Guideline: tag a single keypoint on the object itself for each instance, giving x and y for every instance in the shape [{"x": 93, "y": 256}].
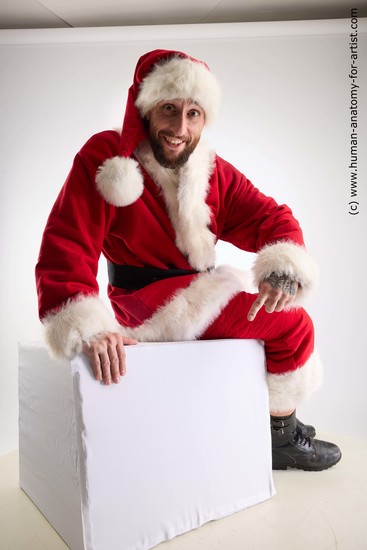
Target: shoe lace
[{"x": 301, "y": 439}]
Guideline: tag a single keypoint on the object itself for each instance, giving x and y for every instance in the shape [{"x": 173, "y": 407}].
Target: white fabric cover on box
[{"x": 183, "y": 439}]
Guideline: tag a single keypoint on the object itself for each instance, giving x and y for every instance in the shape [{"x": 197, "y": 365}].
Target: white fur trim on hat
[
  {"x": 180, "y": 78},
  {"x": 188, "y": 314},
  {"x": 287, "y": 391},
  {"x": 287, "y": 258},
  {"x": 120, "y": 181},
  {"x": 76, "y": 322}
]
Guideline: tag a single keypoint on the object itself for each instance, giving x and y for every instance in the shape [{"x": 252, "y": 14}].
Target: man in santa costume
[{"x": 154, "y": 200}]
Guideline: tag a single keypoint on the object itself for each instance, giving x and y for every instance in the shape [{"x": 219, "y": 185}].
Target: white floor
[{"x": 318, "y": 511}]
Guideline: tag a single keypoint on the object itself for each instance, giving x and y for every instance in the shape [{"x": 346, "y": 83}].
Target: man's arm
[
  {"x": 74, "y": 317},
  {"x": 284, "y": 272}
]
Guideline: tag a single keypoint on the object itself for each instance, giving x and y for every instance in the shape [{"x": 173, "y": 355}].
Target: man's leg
[{"x": 294, "y": 372}]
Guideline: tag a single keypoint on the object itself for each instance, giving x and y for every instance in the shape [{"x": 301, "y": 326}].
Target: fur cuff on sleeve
[
  {"x": 290, "y": 259},
  {"x": 77, "y": 321}
]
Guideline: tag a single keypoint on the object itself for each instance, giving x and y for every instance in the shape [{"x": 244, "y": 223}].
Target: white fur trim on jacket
[
  {"x": 287, "y": 391},
  {"x": 77, "y": 321},
  {"x": 185, "y": 192},
  {"x": 187, "y": 315},
  {"x": 287, "y": 258},
  {"x": 120, "y": 181},
  {"x": 180, "y": 78}
]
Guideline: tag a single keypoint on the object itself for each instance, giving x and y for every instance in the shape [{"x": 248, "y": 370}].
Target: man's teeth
[{"x": 174, "y": 141}]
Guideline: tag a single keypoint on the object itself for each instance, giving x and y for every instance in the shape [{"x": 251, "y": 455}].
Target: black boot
[
  {"x": 306, "y": 429},
  {"x": 292, "y": 449}
]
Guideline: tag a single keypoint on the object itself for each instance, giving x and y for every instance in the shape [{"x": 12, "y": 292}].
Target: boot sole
[{"x": 306, "y": 467}]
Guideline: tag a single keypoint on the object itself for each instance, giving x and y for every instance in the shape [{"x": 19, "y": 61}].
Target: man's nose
[{"x": 180, "y": 124}]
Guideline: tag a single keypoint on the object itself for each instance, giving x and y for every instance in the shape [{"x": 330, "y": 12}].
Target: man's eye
[
  {"x": 194, "y": 113},
  {"x": 168, "y": 107}
]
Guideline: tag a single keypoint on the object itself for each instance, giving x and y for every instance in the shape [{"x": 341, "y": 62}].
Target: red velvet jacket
[{"x": 147, "y": 223}]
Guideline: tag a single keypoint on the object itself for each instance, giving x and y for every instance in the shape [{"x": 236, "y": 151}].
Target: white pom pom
[{"x": 120, "y": 181}]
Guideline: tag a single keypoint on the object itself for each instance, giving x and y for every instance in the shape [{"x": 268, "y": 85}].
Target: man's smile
[{"x": 173, "y": 144}]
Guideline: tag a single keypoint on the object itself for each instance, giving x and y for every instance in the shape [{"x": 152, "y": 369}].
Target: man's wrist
[{"x": 283, "y": 282}]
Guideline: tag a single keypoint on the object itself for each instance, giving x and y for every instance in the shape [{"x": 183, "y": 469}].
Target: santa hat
[{"x": 159, "y": 75}]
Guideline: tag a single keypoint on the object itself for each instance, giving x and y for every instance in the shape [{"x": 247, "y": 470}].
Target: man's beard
[{"x": 173, "y": 163}]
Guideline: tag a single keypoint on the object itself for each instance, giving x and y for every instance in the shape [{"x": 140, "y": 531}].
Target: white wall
[{"x": 284, "y": 122}]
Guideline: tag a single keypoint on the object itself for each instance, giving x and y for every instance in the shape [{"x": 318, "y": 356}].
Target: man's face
[{"x": 175, "y": 128}]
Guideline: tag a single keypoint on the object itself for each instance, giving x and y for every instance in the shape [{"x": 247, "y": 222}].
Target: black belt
[{"x": 131, "y": 277}]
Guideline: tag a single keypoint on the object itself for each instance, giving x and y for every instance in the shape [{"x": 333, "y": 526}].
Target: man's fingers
[
  {"x": 256, "y": 306},
  {"x": 272, "y": 301},
  {"x": 106, "y": 367},
  {"x": 122, "y": 358},
  {"x": 282, "y": 302},
  {"x": 128, "y": 341},
  {"x": 96, "y": 365},
  {"x": 107, "y": 354},
  {"x": 114, "y": 363}
]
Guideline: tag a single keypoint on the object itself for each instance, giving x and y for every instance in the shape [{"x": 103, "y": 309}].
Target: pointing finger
[{"x": 256, "y": 306}]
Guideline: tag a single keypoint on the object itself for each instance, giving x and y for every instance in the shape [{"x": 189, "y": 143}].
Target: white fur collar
[{"x": 185, "y": 192}]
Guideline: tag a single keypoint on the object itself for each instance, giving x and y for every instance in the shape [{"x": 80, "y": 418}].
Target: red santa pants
[{"x": 288, "y": 335}]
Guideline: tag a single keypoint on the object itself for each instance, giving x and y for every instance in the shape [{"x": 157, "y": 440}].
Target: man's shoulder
[
  {"x": 104, "y": 139},
  {"x": 100, "y": 146},
  {"x": 224, "y": 167}
]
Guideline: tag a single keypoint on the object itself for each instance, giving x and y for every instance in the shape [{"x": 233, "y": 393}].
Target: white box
[{"x": 182, "y": 440}]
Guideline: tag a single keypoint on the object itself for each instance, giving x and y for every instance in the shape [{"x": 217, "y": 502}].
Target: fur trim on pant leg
[
  {"x": 187, "y": 315},
  {"x": 291, "y": 259},
  {"x": 76, "y": 322},
  {"x": 287, "y": 391}
]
